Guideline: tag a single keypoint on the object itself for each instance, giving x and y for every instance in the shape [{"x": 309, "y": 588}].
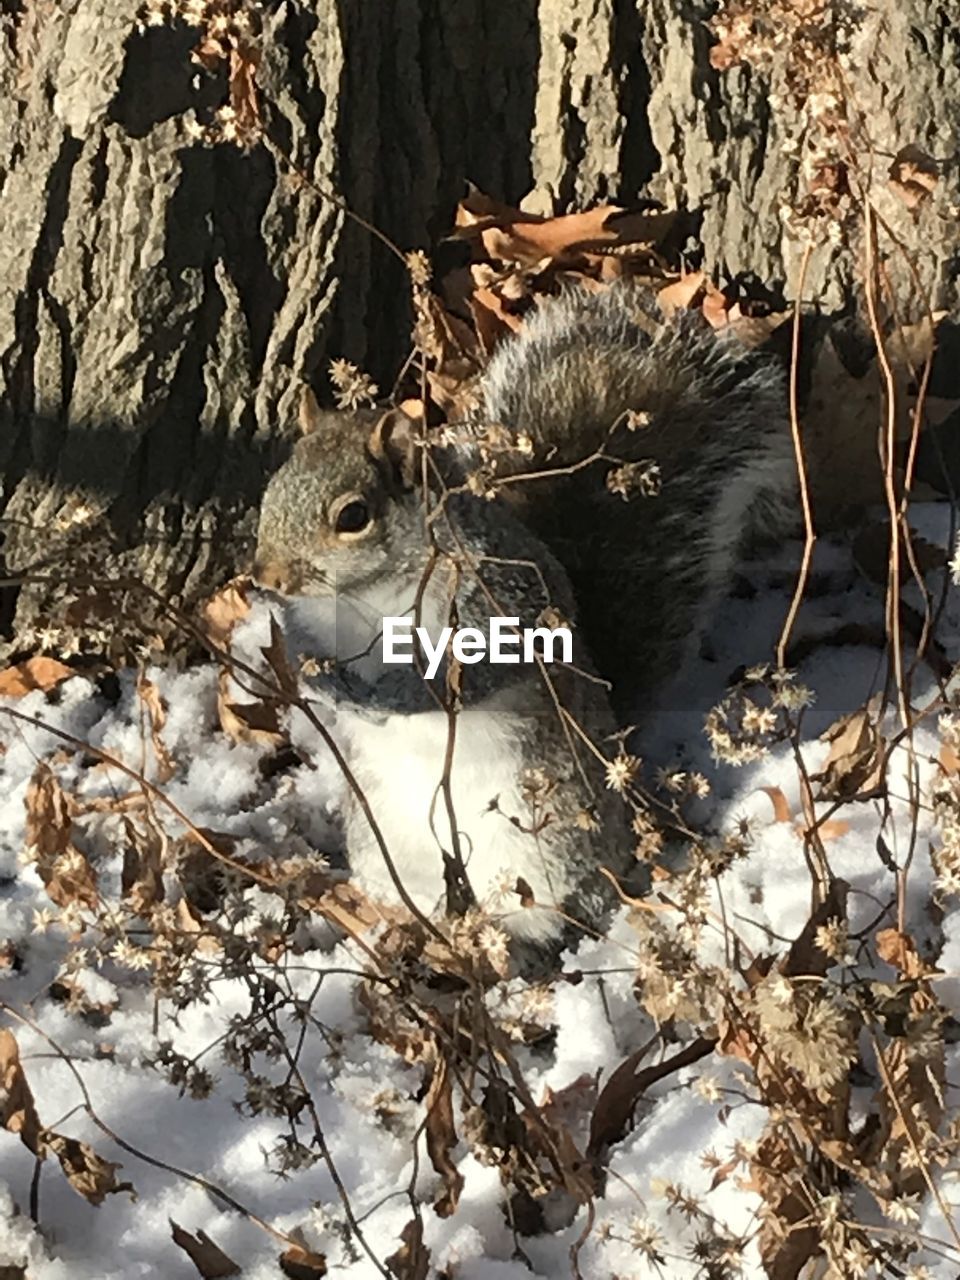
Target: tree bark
[{"x": 162, "y": 300}]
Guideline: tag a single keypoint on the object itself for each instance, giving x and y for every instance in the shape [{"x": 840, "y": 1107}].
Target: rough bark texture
[{"x": 161, "y": 300}]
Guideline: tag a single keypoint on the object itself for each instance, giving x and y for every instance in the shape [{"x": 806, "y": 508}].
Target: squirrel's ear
[
  {"x": 394, "y": 441},
  {"x": 310, "y": 413}
]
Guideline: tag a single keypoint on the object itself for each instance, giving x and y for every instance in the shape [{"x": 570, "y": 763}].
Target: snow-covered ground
[{"x": 366, "y": 1096}]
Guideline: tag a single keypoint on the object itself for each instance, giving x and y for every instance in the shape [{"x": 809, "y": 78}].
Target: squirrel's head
[{"x": 344, "y": 508}]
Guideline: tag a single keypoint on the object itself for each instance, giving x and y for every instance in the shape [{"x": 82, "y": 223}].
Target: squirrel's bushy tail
[{"x": 647, "y": 571}]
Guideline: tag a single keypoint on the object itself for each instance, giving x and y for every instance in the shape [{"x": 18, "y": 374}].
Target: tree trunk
[{"x": 163, "y": 299}]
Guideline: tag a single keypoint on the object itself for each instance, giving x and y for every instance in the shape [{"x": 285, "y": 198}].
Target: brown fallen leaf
[
  {"x": 88, "y": 1173},
  {"x": 156, "y": 710},
  {"x": 141, "y": 880},
  {"x": 257, "y": 722},
  {"x": 949, "y": 759},
  {"x": 491, "y": 318},
  {"x": 626, "y": 1085},
  {"x": 191, "y": 922},
  {"x": 573, "y": 234},
  {"x": 208, "y": 1258},
  {"x": 346, "y": 905},
  {"x": 66, "y": 873},
  {"x": 441, "y": 1133},
  {"x": 224, "y": 610},
  {"x": 566, "y": 1107},
  {"x": 830, "y": 829},
  {"x": 754, "y": 331},
  {"x": 682, "y": 294},
  {"x": 910, "y": 346},
  {"x": 18, "y": 1113},
  {"x": 300, "y": 1263},
  {"x": 68, "y": 991},
  {"x": 781, "y": 806},
  {"x": 33, "y": 673},
  {"x": 49, "y": 824},
  {"x": 244, "y": 60},
  {"x": 715, "y": 307},
  {"x": 478, "y": 210},
  {"x": 524, "y": 893},
  {"x": 71, "y": 880},
  {"x": 855, "y": 764},
  {"x": 275, "y": 656},
  {"x": 900, "y": 950},
  {"x": 412, "y": 1260}
]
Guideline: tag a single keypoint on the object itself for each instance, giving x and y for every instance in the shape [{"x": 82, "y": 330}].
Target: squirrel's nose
[{"x": 272, "y": 574}]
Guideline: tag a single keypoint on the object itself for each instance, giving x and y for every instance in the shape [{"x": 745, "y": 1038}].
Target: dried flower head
[
  {"x": 352, "y": 386},
  {"x": 633, "y": 479},
  {"x": 621, "y": 770}
]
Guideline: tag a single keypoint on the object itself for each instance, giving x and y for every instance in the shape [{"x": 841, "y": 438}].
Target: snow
[{"x": 365, "y": 1095}]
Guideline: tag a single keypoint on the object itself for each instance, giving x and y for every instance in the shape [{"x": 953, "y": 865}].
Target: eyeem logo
[{"x": 507, "y": 643}]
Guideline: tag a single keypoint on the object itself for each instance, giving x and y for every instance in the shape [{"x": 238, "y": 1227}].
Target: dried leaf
[
  {"x": 478, "y": 210},
  {"x": 72, "y": 880},
  {"x": 785, "y": 1244},
  {"x": 34, "y": 673},
  {"x": 412, "y": 1260},
  {"x": 275, "y": 656},
  {"x": 757, "y": 969},
  {"x": 781, "y": 806},
  {"x": 244, "y": 101},
  {"x": 141, "y": 880},
  {"x": 442, "y": 1139},
  {"x": 66, "y": 873},
  {"x": 190, "y": 921},
  {"x": 89, "y": 1174},
  {"x": 347, "y": 906},
  {"x": 524, "y": 893},
  {"x": 528, "y": 244},
  {"x": 491, "y": 319},
  {"x": 682, "y": 294},
  {"x": 619, "y": 1096},
  {"x": 208, "y": 1258},
  {"x": 96, "y": 1013},
  {"x": 17, "y": 1111},
  {"x": 300, "y": 1263},
  {"x": 715, "y": 307},
  {"x": 899, "y": 949},
  {"x": 49, "y": 823},
  {"x": 566, "y": 1107},
  {"x": 831, "y": 829},
  {"x": 257, "y": 722},
  {"x": 224, "y": 610},
  {"x": 754, "y": 331},
  {"x": 949, "y": 759},
  {"x": 155, "y": 707},
  {"x": 855, "y": 763}
]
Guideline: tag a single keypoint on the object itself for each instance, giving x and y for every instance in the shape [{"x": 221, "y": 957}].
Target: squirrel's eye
[{"x": 352, "y": 517}]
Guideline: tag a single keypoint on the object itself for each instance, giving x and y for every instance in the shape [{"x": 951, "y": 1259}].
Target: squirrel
[{"x": 595, "y": 397}]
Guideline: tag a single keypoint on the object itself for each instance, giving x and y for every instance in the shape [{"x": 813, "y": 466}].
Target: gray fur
[
  {"x": 647, "y": 572},
  {"x": 640, "y": 576}
]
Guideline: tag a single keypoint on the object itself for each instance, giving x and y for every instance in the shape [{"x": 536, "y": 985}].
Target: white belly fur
[{"x": 399, "y": 765}]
